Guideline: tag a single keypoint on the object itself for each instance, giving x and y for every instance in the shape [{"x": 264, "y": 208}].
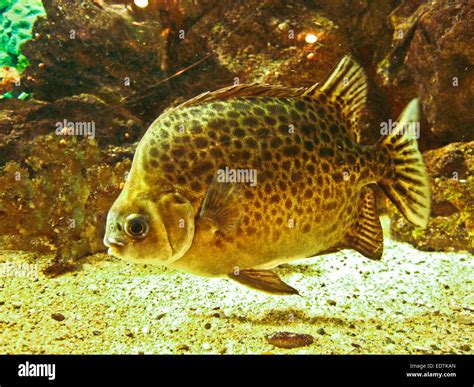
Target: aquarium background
[{"x": 115, "y": 66}]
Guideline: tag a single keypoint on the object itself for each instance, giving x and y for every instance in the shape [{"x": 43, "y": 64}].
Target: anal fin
[
  {"x": 263, "y": 280},
  {"x": 366, "y": 235}
]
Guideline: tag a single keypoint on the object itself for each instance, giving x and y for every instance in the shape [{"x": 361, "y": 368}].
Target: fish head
[{"x": 150, "y": 227}]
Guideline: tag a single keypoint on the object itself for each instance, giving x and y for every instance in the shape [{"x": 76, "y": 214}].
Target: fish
[{"x": 238, "y": 181}]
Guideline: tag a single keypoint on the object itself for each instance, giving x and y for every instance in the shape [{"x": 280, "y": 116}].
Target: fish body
[{"x": 235, "y": 182}]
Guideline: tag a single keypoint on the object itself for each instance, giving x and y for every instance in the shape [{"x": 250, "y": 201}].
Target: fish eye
[{"x": 136, "y": 226}]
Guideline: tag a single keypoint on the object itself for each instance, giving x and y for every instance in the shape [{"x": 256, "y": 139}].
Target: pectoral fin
[
  {"x": 264, "y": 280},
  {"x": 222, "y": 205}
]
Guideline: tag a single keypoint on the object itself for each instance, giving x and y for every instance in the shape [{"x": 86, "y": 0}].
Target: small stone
[
  {"x": 331, "y": 302},
  {"x": 182, "y": 347},
  {"x": 207, "y": 326},
  {"x": 283, "y": 26},
  {"x": 93, "y": 288},
  {"x": 351, "y": 326},
  {"x": 311, "y": 56},
  {"x": 355, "y": 345},
  {"x": 206, "y": 346},
  {"x": 378, "y": 327},
  {"x": 129, "y": 333},
  {"x": 465, "y": 347},
  {"x": 58, "y": 316},
  {"x": 289, "y": 340},
  {"x": 16, "y": 305},
  {"x": 223, "y": 350},
  {"x": 321, "y": 331},
  {"x": 96, "y": 333}
]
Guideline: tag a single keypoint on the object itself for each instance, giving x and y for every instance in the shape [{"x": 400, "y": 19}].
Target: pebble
[
  {"x": 58, "y": 316},
  {"x": 465, "y": 347},
  {"x": 16, "y": 305},
  {"x": 289, "y": 340},
  {"x": 207, "y": 326},
  {"x": 321, "y": 331},
  {"x": 331, "y": 302},
  {"x": 182, "y": 347},
  {"x": 93, "y": 288},
  {"x": 206, "y": 346}
]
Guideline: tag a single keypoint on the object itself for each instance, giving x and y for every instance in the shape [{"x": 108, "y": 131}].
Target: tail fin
[{"x": 408, "y": 187}]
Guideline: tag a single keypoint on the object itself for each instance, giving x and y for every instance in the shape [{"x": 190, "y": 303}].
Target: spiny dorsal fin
[
  {"x": 264, "y": 280},
  {"x": 346, "y": 84},
  {"x": 243, "y": 90},
  {"x": 221, "y": 205},
  {"x": 366, "y": 235}
]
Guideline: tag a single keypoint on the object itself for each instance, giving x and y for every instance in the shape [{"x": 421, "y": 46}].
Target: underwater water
[{"x": 236, "y": 177}]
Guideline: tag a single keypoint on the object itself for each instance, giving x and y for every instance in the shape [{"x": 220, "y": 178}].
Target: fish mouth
[{"x": 114, "y": 245}]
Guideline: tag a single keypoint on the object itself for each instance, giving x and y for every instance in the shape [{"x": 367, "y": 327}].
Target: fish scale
[{"x": 313, "y": 191}]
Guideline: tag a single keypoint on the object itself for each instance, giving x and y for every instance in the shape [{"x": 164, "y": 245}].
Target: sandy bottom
[{"x": 410, "y": 302}]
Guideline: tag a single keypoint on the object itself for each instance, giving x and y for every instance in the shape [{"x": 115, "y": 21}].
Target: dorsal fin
[
  {"x": 243, "y": 90},
  {"x": 366, "y": 235},
  {"x": 347, "y": 84}
]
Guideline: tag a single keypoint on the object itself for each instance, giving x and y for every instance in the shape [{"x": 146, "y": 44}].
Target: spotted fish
[{"x": 240, "y": 180}]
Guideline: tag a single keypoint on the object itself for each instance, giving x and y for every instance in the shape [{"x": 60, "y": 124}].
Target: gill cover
[{"x": 177, "y": 217}]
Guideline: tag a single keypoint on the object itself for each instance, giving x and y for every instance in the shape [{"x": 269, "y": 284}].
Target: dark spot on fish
[
  {"x": 269, "y": 120},
  {"x": 276, "y": 109},
  {"x": 282, "y": 185},
  {"x": 308, "y": 194},
  {"x": 181, "y": 180},
  {"x": 275, "y": 142},
  {"x": 251, "y": 230},
  {"x": 238, "y": 144},
  {"x": 234, "y": 123},
  {"x": 308, "y": 145},
  {"x": 310, "y": 168},
  {"x": 200, "y": 142},
  {"x": 263, "y": 132},
  {"x": 337, "y": 177},
  {"x": 250, "y": 121},
  {"x": 320, "y": 180},
  {"x": 154, "y": 152},
  {"x": 307, "y": 129},
  {"x": 217, "y": 106},
  {"x": 233, "y": 114},
  {"x": 350, "y": 159},
  {"x": 217, "y": 153},
  {"x": 267, "y": 156},
  {"x": 258, "y": 111},
  {"x": 249, "y": 194},
  {"x": 275, "y": 198},
  {"x": 154, "y": 163},
  {"x": 306, "y": 228},
  {"x": 258, "y": 216},
  {"x": 334, "y": 129},
  {"x": 295, "y": 116},
  {"x": 216, "y": 124},
  {"x": 239, "y": 132},
  {"x": 290, "y": 150},
  {"x": 202, "y": 168},
  {"x": 251, "y": 143},
  {"x": 168, "y": 167},
  {"x": 164, "y": 157},
  {"x": 225, "y": 139},
  {"x": 326, "y": 193},
  {"x": 268, "y": 188},
  {"x": 300, "y": 105},
  {"x": 326, "y": 152},
  {"x": 288, "y": 203},
  {"x": 286, "y": 165},
  {"x": 325, "y": 137}
]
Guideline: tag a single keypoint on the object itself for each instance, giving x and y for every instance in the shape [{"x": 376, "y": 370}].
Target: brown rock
[{"x": 289, "y": 340}]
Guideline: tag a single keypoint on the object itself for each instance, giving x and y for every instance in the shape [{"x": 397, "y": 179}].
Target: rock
[
  {"x": 321, "y": 331},
  {"x": 451, "y": 224},
  {"x": 289, "y": 340},
  {"x": 182, "y": 347},
  {"x": 433, "y": 50},
  {"x": 58, "y": 316},
  {"x": 207, "y": 326},
  {"x": 17, "y": 305},
  {"x": 465, "y": 347},
  {"x": 331, "y": 302},
  {"x": 206, "y": 346}
]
